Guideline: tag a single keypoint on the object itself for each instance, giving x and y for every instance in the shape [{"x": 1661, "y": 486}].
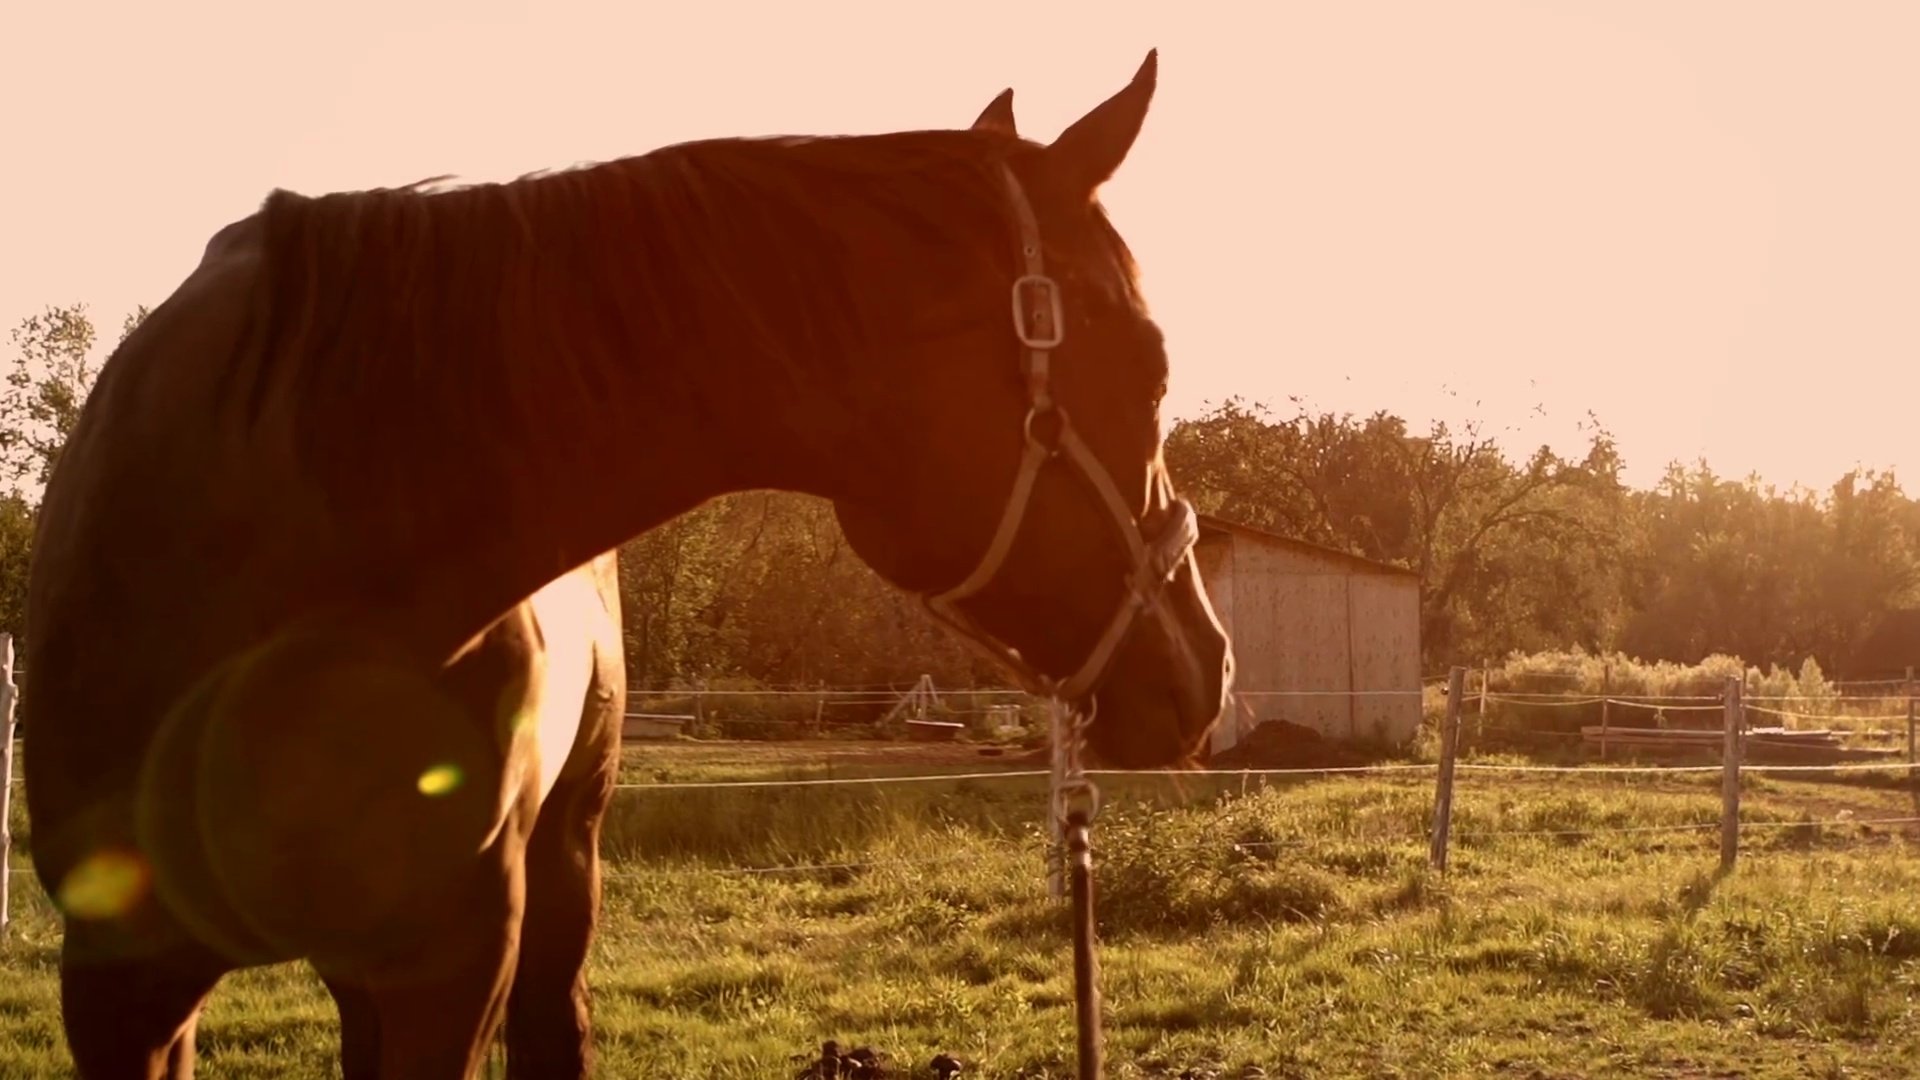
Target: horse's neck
[
  {"x": 679, "y": 419},
  {"x": 700, "y": 415}
]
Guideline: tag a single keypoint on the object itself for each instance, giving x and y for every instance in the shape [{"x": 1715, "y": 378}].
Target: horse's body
[
  {"x": 324, "y": 619},
  {"x": 158, "y": 577}
]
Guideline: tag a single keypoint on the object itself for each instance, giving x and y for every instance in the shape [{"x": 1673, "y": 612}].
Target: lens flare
[
  {"x": 106, "y": 885},
  {"x": 440, "y": 780}
]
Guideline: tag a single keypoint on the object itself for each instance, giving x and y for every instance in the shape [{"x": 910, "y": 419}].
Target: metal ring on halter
[{"x": 1049, "y": 409}]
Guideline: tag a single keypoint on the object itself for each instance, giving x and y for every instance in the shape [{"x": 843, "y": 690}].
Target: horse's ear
[
  {"x": 1088, "y": 153},
  {"x": 998, "y": 115}
]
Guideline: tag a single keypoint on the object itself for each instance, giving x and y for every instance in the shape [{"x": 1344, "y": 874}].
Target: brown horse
[{"x": 325, "y": 633}]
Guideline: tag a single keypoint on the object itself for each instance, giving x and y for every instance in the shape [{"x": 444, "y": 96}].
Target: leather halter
[{"x": 1155, "y": 555}]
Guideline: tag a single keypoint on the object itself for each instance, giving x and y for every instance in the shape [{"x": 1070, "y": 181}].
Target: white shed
[{"x": 1310, "y": 626}]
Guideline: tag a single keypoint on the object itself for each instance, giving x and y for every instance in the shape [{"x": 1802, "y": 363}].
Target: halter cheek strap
[{"x": 1155, "y": 557}]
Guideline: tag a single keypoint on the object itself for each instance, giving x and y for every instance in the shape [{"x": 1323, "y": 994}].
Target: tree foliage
[
  {"x": 1553, "y": 552},
  {"x": 1543, "y": 552},
  {"x": 48, "y": 382}
]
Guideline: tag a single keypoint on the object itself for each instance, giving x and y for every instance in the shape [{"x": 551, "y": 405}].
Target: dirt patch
[
  {"x": 1282, "y": 744},
  {"x": 1865, "y": 820}
]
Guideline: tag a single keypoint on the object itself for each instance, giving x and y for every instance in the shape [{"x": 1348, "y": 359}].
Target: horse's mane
[{"x": 394, "y": 310}]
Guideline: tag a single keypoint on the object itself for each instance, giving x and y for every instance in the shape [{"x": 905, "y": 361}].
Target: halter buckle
[{"x": 1054, "y": 321}]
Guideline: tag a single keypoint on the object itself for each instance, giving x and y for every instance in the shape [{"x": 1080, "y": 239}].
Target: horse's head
[{"x": 1031, "y": 507}]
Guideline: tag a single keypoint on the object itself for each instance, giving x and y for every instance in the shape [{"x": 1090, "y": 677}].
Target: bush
[{"x": 1559, "y": 691}]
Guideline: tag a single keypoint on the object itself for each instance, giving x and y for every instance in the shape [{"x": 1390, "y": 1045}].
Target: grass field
[{"x": 1279, "y": 929}]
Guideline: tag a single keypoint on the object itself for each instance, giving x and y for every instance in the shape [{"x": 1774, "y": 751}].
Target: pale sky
[{"x": 1700, "y": 220}]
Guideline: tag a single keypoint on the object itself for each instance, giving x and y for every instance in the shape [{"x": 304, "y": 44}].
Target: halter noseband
[{"x": 1155, "y": 556}]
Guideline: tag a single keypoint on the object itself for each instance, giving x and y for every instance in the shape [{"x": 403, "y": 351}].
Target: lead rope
[{"x": 1075, "y": 803}]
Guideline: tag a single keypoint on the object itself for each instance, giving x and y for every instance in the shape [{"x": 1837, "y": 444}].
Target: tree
[
  {"x": 48, "y": 384},
  {"x": 1495, "y": 544},
  {"x": 1737, "y": 568},
  {"x": 16, "y": 551},
  {"x": 46, "y": 387},
  {"x": 763, "y": 585},
  {"x": 1500, "y": 544}
]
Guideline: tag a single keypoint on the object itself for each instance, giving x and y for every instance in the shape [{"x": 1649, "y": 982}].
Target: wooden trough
[
  {"x": 643, "y": 726},
  {"x": 934, "y": 730},
  {"x": 1762, "y": 744}
]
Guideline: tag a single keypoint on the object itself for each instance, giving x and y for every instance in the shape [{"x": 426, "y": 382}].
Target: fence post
[
  {"x": 1730, "y": 754},
  {"x": 7, "y": 698},
  {"x": 1486, "y": 677},
  {"x": 1449, "y": 749},
  {"x": 1606, "y": 706},
  {"x": 1911, "y": 759}
]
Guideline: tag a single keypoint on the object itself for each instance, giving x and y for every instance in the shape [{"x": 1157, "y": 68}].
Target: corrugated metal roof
[{"x": 1221, "y": 526}]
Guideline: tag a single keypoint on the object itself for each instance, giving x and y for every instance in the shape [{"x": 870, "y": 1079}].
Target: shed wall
[
  {"x": 1303, "y": 623},
  {"x": 1385, "y": 620}
]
